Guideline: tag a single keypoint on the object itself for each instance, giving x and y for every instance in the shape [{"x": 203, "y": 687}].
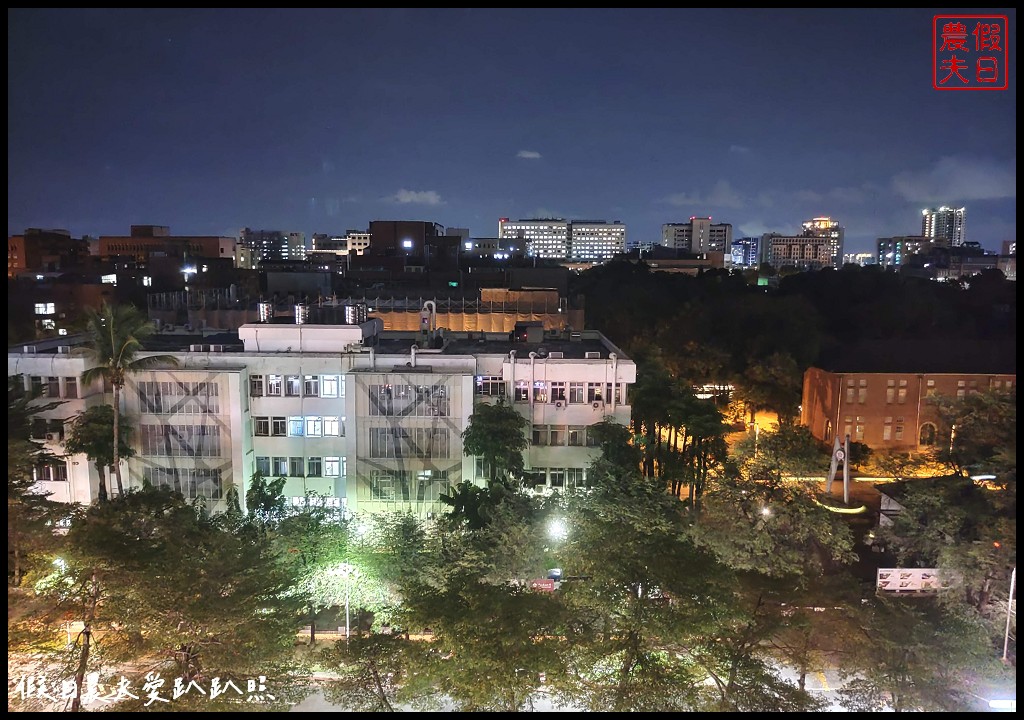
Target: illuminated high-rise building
[{"x": 944, "y": 223}]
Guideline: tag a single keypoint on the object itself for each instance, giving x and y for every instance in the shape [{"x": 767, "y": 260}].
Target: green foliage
[
  {"x": 116, "y": 336},
  {"x": 497, "y": 433},
  {"x": 913, "y": 656},
  {"x": 163, "y": 584}
]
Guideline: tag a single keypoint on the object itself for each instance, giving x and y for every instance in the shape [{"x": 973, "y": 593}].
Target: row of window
[
  {"x": 299, "y": 426},
  {"x": 191, "y": 398},
  {"x": 167, "y": 440},
  {"x": 408, "y": 400},
  {"x": 50, "y": 472},
  {"x": 896, "y": 391},
  {"x": 557, "y": 435},
  {"x": 556, "y": 478},
  {"x": 43, "y": 386},
  {"x": 191, "y": 482},
  {"x": 325, "y": 386},
  {"x": 300, "y": 467},
  {"x": 421, "y": 486},
  {"x": 410, "y": 443},
  {"x": 541, "y": 391}
]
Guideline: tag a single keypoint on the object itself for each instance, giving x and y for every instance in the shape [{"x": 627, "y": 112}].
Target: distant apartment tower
[
  {"x": 271, "y": 245},
  {"x": 944, "y": 223},
  {"x": 819, "y": 245},
  {"x": 894, "y": 251},
  {"x": 558, "y": 239},
  {"x": 745, "y": 252},
  {"x": 698, "y": 236}
]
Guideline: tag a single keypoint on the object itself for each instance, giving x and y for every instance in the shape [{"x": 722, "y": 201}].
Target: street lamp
[
  {"x": 349, "y": 572},
  {"x": 1009, "y": 613}
]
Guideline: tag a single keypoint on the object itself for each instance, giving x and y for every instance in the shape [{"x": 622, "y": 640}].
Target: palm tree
[{"x": 116, "y": 336}]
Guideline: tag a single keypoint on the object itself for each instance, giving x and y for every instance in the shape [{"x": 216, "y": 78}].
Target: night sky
[{"x": 209, "y": 121}]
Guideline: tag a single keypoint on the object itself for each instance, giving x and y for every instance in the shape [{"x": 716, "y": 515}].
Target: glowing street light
[
  {"x": 349, "y": 572},
  {"x": 558, "y": 529}
]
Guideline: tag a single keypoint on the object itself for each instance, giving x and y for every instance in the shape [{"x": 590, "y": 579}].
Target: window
[
  {"x": 899, "y": 432},
  {"x": 45, "y": 308},
  {"x": 556, "y": 435},
  {"x": 890, "y": 394},
  {"x": 540, "y": 434},
  {"x": 71, "y": 388},
  {"x": 278, "y": 427},
  {"x": 314, "y": 467},
  {"x": 53, "y": 387},
  {"x": 256, "y": 385},
  {"x": 291, "y": 386},
  {"x": 332, "y": 466},
  {"x": 314, "y": 426},
  {"x": 311, "y": 386},
  {"x": 540, "y": 391},
  {"x": 558, "y": 392},
  {"x": 382, "y": 486},
  {"x": 192, "y": 483},
  {"x": 280, "y": 467},
  {"x": 295, "y": 426},
  {"x": 329, "y": 386},
  {"x": 263, "y": 466},
  {"x": 594, "y": 392},
  {"x": 522, "y": 391},
  {"x": 261, "y": 426},
  {"x": 901, "y": 396},
  {"x": 295, "y": 467},
  {"x": 850, "y": 391},
  {"x": 574, "y": 478},
  {"x": 274, "y": 385},
  {"x": 613, "y": 390},
  {"x": 576, "y": 392},
  {"x": 180, "y": 440},
  {"x": 556, "y": 478},
  {"x": 887, "y": 432},
  {"x": 577, "y": 435},
  {"x": 56, "y": 472},
  {"x": 862, "y": 392},
  {"x": 491, "y": 385},
  {"x": 332, "y": 428}
]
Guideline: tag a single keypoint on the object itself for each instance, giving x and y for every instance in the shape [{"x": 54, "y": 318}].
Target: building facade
[
  {"x": 819, "y": 245},
  {"x": 583, "y": 241},
  {"x": 269, "y": 245},
  {"x": 890, "y": 412},
  {"x": 368, "y": 420},
  {"x": 697, "y": 236},
  {"x": 944, "y": 223}
]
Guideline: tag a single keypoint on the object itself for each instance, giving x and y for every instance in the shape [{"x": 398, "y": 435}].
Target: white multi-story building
[
  {"x": 944, "y": 223},
  {"x": 547, "y": 238},
  {"x": 558, "y": 239},
  {"x": 369, "y": 420},
  {"x": 596, "y": 241}
]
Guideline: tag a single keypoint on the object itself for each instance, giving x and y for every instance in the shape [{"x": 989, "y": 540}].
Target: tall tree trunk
[
  {"x": 86, "y": 636},
  {"x": 117, "y": 439},
  {"x": 102, "y": 492}
]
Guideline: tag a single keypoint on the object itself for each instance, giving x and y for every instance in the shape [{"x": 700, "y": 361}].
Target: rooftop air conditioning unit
[
  {"x": 29, "y": 349},
  {"x": 592, "y": 355},
  {"x": 63, "y": 349},
  {"x": 195, "y": 348},
  {"x": 216, "y": 348},
  {"x": 559, "y": 404},
  {"x": 598, "y": 404},
  {"x": 52, "y": 437},
  {"x": 168, "y": 327},
  {"x": 556, "y": 354}
]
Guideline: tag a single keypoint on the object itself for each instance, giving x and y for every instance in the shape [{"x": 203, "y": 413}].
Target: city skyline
[{"x": 198, "y": 120}]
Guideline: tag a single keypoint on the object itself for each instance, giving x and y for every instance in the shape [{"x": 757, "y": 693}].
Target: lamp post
[
  {"x": 1009, "y": 613},
  {"x": 348, "y": 571}
]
